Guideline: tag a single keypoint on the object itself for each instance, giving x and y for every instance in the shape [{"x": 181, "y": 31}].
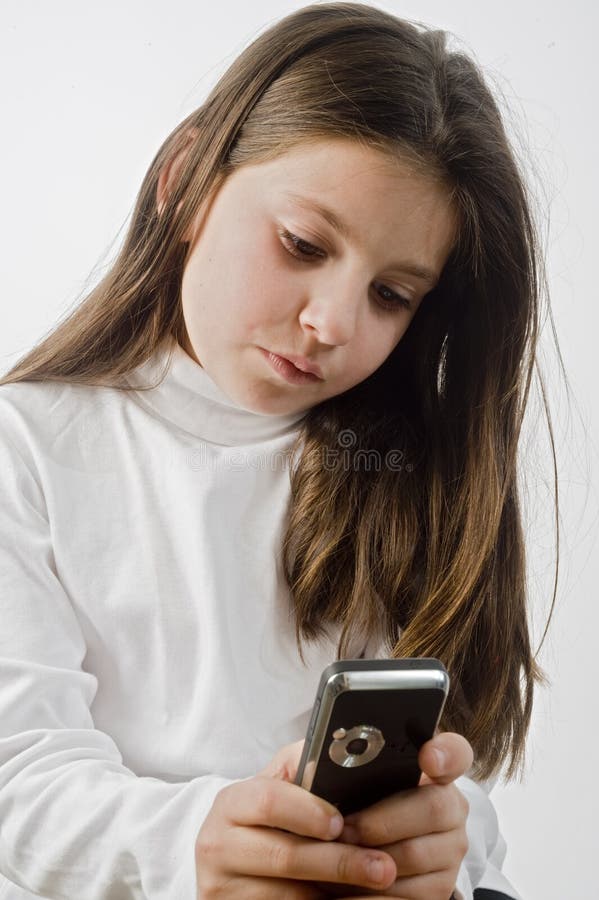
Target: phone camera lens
[{"x": 357, "y": 746}]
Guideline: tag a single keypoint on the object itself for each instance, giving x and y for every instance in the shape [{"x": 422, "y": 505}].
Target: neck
[{"x": 187, "y": 397}]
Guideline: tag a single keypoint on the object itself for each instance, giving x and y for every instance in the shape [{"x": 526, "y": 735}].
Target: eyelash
[{"x": 293, "y": 244}]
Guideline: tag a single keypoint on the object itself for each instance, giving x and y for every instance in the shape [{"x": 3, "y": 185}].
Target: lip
[
  {"x": 300, "y": 362},
  {"x": 287, "y": 368}
]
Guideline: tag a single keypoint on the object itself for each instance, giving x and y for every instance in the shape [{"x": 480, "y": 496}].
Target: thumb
[
  {"x": 444, "y": 758},
  {"x": 285, "y": 762}
]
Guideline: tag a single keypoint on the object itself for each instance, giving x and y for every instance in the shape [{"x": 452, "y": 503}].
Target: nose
[{"x": 330, "y": 312}]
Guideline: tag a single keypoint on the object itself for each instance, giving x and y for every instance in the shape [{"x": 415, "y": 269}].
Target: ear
[{"x": 171, "y": 171}]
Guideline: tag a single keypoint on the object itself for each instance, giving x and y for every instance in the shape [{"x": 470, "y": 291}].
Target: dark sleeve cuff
[{"x": 486, "y": 894}]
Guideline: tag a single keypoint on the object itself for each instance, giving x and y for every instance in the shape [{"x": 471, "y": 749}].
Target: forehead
[
  {"x": 319, "y": 159},
  {"x": 362, "y": 177}
]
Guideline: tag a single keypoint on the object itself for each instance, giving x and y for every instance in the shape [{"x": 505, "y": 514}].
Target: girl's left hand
[{"x": 423, "y": 829}]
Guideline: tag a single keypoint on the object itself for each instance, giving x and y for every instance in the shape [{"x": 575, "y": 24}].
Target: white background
[{"x": 89, "y": 93}]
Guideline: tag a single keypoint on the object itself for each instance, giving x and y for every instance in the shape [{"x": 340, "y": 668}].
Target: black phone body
[{"x": 369, "y": 720}]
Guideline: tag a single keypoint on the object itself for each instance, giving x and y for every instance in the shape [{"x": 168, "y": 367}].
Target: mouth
[{"x": 288, "y": 370}]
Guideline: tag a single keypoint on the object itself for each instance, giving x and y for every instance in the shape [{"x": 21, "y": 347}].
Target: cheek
[
  {"x": 377, "y": 344},
  {"x": 215, "y": 284},
  {"x": 265, "y": 290}
]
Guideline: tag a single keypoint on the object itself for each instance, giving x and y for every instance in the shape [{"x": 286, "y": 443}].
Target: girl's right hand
[{"x": 266, "y": 837}]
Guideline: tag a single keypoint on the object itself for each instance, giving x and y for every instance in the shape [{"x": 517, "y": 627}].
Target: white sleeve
[
  {"x": 481, "y": 867},
  {"x": 74, "y": 821}
]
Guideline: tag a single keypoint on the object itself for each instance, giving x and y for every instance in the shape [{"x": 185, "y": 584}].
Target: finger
[
  {"x": 277, "y": 804},
  {"x": 285, "y": 763},
  {"x": 433, "y": 884},
  {"x": 445, "y": 757},
  {"x": 412, "y": 813},
  {"x": 271, "y": 853},
  {"x": 270, "y": 889},
  {"x": 429, "y": 853}
]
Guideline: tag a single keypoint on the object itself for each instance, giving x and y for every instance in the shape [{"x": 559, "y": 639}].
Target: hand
[
  {"x": 423, "y": 829},
  {"x": 266, "y": 838}
]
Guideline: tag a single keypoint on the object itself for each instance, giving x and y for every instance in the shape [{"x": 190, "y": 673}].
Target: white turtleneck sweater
[{"x": 147, "y": 647}]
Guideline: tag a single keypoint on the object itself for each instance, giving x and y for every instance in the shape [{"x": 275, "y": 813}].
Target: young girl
[{"x": 281, "y": 430}]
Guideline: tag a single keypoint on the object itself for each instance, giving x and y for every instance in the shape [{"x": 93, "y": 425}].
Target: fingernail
[
  {"x": 336, "y": 826},
  {"x": 441, "y": 758},
  {"x": 376, "y": 870}
]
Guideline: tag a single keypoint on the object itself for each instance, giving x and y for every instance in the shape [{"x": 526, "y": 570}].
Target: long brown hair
[{"x": 404, "y": 516}]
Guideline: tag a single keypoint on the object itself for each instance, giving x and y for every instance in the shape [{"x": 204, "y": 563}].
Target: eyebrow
[{"x": 339, "y": 224}]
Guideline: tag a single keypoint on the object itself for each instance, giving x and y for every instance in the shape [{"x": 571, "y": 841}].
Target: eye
[
  {"x": 391, "y": 299},
  {"x": 307, "y": 252},
  {"x": 299, "y": 248}
]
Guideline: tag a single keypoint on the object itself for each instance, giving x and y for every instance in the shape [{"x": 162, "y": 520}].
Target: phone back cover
[{"x": 406, "y": 719}]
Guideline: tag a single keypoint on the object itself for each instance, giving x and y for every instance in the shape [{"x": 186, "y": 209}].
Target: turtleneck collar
[{"x": 188, "y": 397}]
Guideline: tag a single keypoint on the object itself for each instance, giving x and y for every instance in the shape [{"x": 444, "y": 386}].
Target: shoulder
[
  {"x": 22, "y": 399},
  {"x": 38, "y": 415}
]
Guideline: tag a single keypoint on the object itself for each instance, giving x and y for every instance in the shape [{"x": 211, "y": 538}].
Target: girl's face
[{"x": 271, "y": 276}]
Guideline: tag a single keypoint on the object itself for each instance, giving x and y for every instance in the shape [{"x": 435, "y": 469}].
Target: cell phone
[{"x": 369, "y": 720}]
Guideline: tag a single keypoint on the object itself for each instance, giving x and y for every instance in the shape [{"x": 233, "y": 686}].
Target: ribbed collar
[{"x": 189, "y": 398}]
